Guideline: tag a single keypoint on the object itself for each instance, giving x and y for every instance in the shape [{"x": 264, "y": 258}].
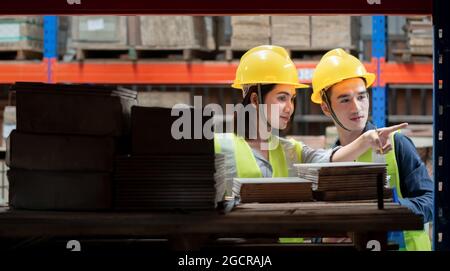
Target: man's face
[{"x": 350, "y": 102}]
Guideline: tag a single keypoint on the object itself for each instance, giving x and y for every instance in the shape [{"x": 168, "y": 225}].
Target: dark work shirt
[{"x": 415, "y": 182}]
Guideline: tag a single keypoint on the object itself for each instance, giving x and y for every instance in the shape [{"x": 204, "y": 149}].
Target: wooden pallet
[
  {"x": 228, "y": 53},
  {"x": 314, "y": 53},
  {"x": 20, "y": 55},
  {"x": 121, "y": 53},
  {"x": 142, "y": 52},
  {"x": 21, "y": 50},
  {"x": 406, "y": 55}
]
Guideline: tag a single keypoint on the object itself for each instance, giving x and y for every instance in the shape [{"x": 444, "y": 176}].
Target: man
[{"x": 340, "y": 84}]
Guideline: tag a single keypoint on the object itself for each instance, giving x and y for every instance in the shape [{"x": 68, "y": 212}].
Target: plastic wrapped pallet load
[
  {"x": 25, "y": 34},
  {"x": 98, "y": 31},
  {"x": 21, "y": 33}
]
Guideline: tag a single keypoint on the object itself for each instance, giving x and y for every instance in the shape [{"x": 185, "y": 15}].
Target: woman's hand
[{"x": 379, "y": 139}]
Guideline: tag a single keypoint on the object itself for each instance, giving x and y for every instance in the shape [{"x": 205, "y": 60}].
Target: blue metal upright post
[
  {"x": 441, "y": 127},
  {"x": 50, "y": 44},
  {"x": 379, "y": 101}
]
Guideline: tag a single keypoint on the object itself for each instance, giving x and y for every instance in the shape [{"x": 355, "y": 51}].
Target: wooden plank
[{"x": 262, "y": 221}]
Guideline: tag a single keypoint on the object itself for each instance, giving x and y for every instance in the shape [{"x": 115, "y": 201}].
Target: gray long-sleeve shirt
[{"x": 309, "y": 155}]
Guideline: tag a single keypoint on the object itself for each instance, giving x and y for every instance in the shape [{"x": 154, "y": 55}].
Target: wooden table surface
[{"x": 244, "y": 220}]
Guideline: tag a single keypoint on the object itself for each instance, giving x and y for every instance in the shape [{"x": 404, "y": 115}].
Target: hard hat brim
[{"x": 299, "y": 85}]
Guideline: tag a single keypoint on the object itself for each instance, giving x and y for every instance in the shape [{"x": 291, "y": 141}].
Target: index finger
[{"x": 393, "y": 128}]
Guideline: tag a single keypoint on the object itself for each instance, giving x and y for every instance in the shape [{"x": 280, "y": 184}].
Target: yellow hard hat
[
  {"x": 266, "y": 64},
  {"x": 335, "y": 66}
]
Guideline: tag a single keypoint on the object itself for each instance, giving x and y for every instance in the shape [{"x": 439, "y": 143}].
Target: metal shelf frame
[
  {"x": 379, "y": 101},
  {"x": 441, "y": 128}
]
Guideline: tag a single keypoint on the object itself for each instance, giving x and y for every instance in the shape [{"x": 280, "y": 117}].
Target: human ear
[{"x": 325, "y": 109}]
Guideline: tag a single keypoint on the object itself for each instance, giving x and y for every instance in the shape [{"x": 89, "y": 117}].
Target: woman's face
[{"x": 280, "y": 104}]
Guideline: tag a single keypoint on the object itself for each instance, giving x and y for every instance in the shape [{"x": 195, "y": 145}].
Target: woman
[{"x": 267, "y": 76}]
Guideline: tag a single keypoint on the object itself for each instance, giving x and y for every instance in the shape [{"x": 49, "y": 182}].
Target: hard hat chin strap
[
  {"x": 333, "y": 115},
  {"x": 246, "y": 90},
  {"x": 260, "y": 102}
]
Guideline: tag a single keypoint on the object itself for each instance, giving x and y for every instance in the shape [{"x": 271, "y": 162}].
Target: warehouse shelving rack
[{"x": 50, "y": 70}]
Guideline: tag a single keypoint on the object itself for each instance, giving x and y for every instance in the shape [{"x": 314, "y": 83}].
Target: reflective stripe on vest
[{"x": 407, "y": 240}]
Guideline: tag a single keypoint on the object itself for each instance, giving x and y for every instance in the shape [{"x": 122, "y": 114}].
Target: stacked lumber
[
  {"x": 419, "y": 30},
  {"x": 272, "y": 190},
  {"x": 344, "y": 180}
]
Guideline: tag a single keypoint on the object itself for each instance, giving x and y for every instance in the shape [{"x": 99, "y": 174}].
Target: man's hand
[{"x": 379, "y": 139}]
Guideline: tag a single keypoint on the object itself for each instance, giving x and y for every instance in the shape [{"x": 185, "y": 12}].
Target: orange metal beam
[
  {"x": 11, "y": 72},
  {"x": 145, "y": 73},
  {"x": 182, "y": 72},
  {"x": 406, "y": 73}
]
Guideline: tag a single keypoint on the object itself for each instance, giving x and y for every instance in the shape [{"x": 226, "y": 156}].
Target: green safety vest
[
  {"x": 412, "y": 240},
  {"x": 240, "y": 161}
]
